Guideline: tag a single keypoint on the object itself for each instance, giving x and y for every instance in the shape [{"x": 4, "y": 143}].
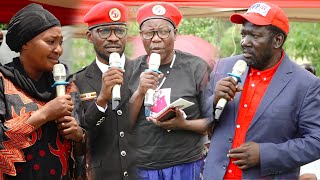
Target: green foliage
[
  {"x": 302, "y": 44},
  {"x": 82, "y": 53},
  {"x": 230, "y": 42},
  {"x": 210, "y": 29},
  {"x": 3, "y": 26}
]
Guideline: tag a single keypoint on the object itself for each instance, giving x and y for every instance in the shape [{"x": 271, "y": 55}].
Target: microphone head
[
  {"x": 154, "y": 61},
  {"x": 59, "y": 72},
  {"x": 115, "y": 60},
  {"x": 239, "y": 67}
]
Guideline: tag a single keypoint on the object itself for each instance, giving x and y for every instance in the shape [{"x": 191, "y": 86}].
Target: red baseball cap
[
  {"x": 106, "y": 13},
  {"x": 159, "y": 10},
  {"x": 263, "y": 13}
]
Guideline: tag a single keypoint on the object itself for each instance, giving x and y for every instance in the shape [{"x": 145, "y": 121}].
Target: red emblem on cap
[
  {"x": 114, "y": 14},
  {"x": 158, "y": 10}
]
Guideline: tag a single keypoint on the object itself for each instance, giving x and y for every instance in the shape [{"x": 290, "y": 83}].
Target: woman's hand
[
  {"x": 57, "y": 108},
  {"x": 68, "y": 127}
]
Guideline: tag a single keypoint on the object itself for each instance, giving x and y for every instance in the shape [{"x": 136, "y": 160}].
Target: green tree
[
  {"x": 302, "y": 43},
  {"x": 83, "y": 52}
]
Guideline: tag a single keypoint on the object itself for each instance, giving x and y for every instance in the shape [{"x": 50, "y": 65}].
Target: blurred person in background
[
  {"x": 6, "y": 54},
  {"x": 309, "y": 68}
]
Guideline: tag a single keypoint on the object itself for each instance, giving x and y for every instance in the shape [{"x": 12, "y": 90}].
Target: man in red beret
[
  {"x": 271, "y": 124},
  {"x": 171, "y": 149},
  {"x": 110, "y": 152}
]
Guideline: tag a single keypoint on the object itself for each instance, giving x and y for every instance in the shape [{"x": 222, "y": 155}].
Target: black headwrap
[
  {"x": 28, "y": 23},
  {"x": 40, "y": 90}
]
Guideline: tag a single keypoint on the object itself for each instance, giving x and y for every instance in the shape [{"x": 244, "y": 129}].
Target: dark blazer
[
  {"x": 110, "y": 141},
  {"x": 286, "y": 124}
]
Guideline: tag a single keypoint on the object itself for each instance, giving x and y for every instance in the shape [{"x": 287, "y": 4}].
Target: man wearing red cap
[
  {"x": 110, "y": 143},
  {"x": 171, "y": 149},
  {"x": 271, "y": 124}
]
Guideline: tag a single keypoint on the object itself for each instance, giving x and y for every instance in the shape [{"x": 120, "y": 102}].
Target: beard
[{"x": 261, "y": 61}]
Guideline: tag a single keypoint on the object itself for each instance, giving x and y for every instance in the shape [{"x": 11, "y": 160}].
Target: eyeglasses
[
  {"x": 162, "y": 33},
  {"x": 106, "y": 32}
]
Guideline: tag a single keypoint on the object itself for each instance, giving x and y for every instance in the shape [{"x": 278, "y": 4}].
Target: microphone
[
  {"x": 115, "y": 61},
  {"x": 60, "y": 76},
  {"x": 237, "y": 70},
  {"x": 154, "y": 63}
]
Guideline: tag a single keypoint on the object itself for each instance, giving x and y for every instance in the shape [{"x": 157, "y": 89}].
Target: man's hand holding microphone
[
  {"x": 247, "y": 154},
  {"x": 111, "y": 81}
]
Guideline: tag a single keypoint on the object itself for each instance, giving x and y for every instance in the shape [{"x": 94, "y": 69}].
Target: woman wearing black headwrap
[{"x": 37, "y": 128}]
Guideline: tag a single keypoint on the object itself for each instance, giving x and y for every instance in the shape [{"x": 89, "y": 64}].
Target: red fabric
[
  {"x": 19, "y": 138},
  {"x": 18, "y": 135},
  {"x": 22, "y": 135},
  {"x": 264, "y": 14},
  {"x": 159, "y": 10},
  {"x": 254, "y": 88},
  {"x": 105, "y": 13}
]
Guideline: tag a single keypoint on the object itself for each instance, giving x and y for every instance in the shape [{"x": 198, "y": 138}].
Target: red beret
[
  {"x": 159, "y": 10},
  {"x": 106, "y": 13}
]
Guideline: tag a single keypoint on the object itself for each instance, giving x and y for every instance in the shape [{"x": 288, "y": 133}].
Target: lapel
[
  {"x": 93, "y": 76},
  {"x": 281, "y": 78}
]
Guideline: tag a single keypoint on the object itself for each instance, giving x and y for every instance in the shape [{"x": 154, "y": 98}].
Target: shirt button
[
  {"x": 87, "y": 166},
  {"x": 253, "y": 85},
  {"x": 230, "y": 171},
  {"x": 125, "y": 174},
  {"x": 119, "y": 112},
  {"x": 264, "y": 79},
  {"x": 245, "y": 105},
  {"x": 121, "y": 134},
  {"x": 258, "y": 73},
  {"x": 230, "y": 140},
  {"x": 238, "y": 126},
  {"x": 123, "y": 153}
]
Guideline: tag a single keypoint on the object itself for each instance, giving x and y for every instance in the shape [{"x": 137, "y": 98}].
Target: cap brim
[
  {"x": 157, "y": 17},
  {"x": 252, "y": 18},
  {"x": 106, "y": 24}
]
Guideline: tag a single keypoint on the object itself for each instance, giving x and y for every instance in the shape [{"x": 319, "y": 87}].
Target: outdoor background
[{"x": 302, "y": 44}]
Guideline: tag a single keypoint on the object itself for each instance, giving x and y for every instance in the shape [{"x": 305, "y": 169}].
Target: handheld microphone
[
  {"x": 154, "y": 63},
  {"x": 115, "y": 61},
  {"x": 60, "y": 76},
  {"x": 237, "y": 70}
]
